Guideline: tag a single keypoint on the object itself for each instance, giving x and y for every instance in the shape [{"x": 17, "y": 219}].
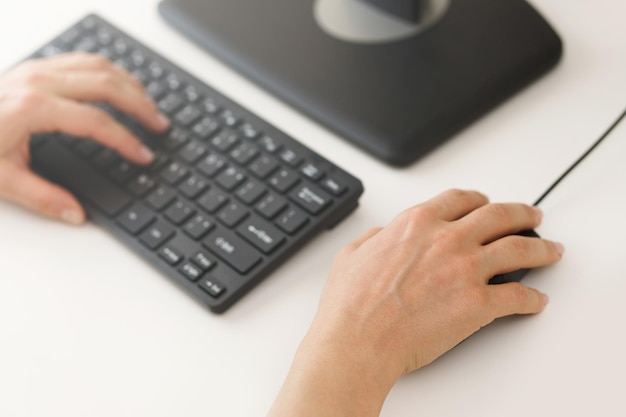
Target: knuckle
[
  {"x": 98, "y": 122},
  {"x": 107, "y": 82},
  {"x": 31, "y": 76},
  {"x": 456, "y": 193},
  {"x": 519, "y": 293},
  {"x": 500, "y": 212},
  {"x": 26, "y": 100},
  {"x": 416, "y": 217},
  {"x": 520, "y": 246},
  {"x": 97, "y": 61}
]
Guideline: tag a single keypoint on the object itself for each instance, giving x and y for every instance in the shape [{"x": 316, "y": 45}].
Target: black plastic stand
[{"x": 395, "y": 100}]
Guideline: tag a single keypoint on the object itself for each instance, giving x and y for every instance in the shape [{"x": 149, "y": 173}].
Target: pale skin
[
  {"x": 399, "y": 297},
  {"x": 49, "y": 95},
  {"x": 396, "y": 298}
]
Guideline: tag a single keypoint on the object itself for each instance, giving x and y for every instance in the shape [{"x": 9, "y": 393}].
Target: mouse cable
[{"x": 583, "y": 156}]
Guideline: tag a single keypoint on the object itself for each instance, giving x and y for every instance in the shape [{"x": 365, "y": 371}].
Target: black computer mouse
[{"x": 514, "y": 276}]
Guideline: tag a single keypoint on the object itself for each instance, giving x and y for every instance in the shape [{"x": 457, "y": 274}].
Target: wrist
[{"x": 334, "y": 376}]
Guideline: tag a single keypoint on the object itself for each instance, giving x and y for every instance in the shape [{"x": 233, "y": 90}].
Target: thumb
[{"x": 29, "y": 190}]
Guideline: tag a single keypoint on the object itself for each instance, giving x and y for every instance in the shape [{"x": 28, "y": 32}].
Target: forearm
[{"x": 329, "y": 380}]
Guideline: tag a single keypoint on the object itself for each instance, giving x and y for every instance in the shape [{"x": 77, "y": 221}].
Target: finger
[
  {"x": 455, "y": 204},
  {"x": 90, "y": 77},
  {"x": 517, "y": 252},
  {"x": 82, "y": 120},
  {"x": 109, "y": 87},
  {"x": 80, "y": 61},
  {"x": 494, "y": 221},
  {"x": 33, "y": 192},
  {"x": 515, "y": 298}
]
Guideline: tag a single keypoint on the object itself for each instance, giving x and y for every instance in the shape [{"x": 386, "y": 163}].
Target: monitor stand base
[{"x": 396, "y": 100}]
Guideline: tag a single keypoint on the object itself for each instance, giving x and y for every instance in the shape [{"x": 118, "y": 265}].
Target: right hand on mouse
[
  {"x": 49, "y": 95},
  {"x": 400, "y": 296}
]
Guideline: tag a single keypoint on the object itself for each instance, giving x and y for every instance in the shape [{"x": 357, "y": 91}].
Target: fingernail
[
  {"x": 539, "y": 214},
  {"x": 145, "y": 154},
  {"x": 545, "y": 298},
  {"x": 72, "y": 216},
  {"x": 560, "y": 249},
  {"x": 162, "y": 121}
]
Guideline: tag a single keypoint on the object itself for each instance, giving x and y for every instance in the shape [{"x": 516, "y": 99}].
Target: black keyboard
[{"x": 228, "y": 198}]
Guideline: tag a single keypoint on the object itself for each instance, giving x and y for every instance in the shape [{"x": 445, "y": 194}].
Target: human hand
[
  {"x": 52, "y": 94},
  {"x": 399, "y": 297}
]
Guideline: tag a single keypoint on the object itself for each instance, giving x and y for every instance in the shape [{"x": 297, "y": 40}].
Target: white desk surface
[{"x": 88, "y": 329}]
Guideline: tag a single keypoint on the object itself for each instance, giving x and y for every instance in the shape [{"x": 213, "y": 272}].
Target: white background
[{"x": 89, "y": 329}]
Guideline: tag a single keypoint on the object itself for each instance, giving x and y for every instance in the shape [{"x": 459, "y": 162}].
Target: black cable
[{"x": 575, "y": 164}]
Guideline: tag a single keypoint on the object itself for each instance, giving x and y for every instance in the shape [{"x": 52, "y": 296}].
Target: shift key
[
  {"x": 67, "y": 168},
  {"x": 232, "y": 250}
]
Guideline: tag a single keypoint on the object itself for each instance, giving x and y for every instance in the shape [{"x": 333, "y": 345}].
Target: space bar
[{"x": 68, "y": 170}]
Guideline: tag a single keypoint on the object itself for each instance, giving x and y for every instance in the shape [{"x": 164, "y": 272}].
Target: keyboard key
[
  {"x": 191, "y": 94},
  {"x": 263, "y": 166},
  {"x": 225, "y": 140},
  {"x": 261, "y": 234},
  {"x": 334, "y": 186},
  {"x": 250, "y": 192},
  {"x": 170, "y": 104},
  {"x": 210, "y": 106},
  {"x": 179, "y": 212},
  {"x": 271, "y": 205},
  {"x": 231, "y": 178},
  {"x": 155, "y": 235},
  {"x": 244, "y": 153},
  {"x": 232, "y": 214},
  {"x": 123, "y": 171},
  {"x": 156, "y": 90},
  {"x": 310, "y": 198},
  {"x": 191, "y": 271},
  {"x": 106, "y": 158},
  {"x": 141, "y": 185},
  {"x": 193, "y": 186},
  {"x": 174, "y": 173},
  {"x": 198, "y": 227},
  {"x": 270, "y": 144},
  {"x": 212, "y": 201},
  {"x": 230, "y": 119},
  {"x": 292, "y": 220},
  {"x": 213, "y": 287},
  {"x": 173, "y": 82},
  {"x": 203, "y": 260},
  {"x": 206, "y": 128},
  {"x": 284, "y": 179},
  {"x": 188, "y": 115},
  {"x": 291, "y": 157},
  {"x": 88, "y": 147},
  {"x": 174, "y": 139},
  {"x": 193, "y": 151},
  {"x": 232, "y": 250},
  {"x": 159, "y": 162},
  {"x": 211, "y": 165},
  {"x": 248, "y": 131},
  {"x": 161, "y": 197},
  {"x": 136, "y": 218},
  {"x": 170, "y": 254},
  {"x": 312, "y": 171}
]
